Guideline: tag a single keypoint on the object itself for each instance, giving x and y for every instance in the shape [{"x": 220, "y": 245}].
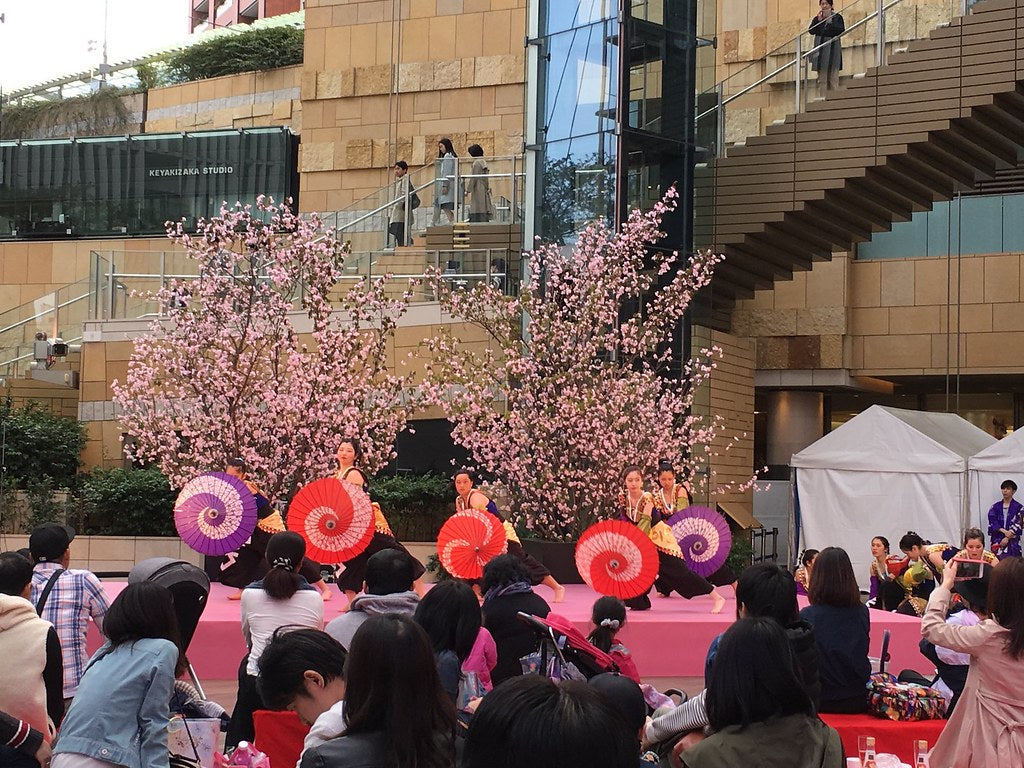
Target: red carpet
[{"x": 670, "y": 640}]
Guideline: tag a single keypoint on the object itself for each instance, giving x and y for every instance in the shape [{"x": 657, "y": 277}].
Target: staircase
[{"x": 939, "y": 118}]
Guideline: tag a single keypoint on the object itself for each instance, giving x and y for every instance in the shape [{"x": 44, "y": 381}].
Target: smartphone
[{"x": 969, "y": 569}]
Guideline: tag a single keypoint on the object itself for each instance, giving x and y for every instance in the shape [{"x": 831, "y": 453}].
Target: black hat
[
  {"x": 50, "y": 541},
  {"x": 974, "y": 591}
]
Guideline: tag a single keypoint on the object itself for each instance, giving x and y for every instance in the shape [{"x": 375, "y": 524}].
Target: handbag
[
  {"x": 414, "y": 201},
  {"x": 470, "y": 687},
  {"x": 893, "y": 700}
]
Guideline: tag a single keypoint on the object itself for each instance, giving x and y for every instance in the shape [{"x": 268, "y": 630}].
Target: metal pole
[
  {"x": 720, "y": 149},
  {"x": 798, "y": 77},
  {"x": 111, "y": 301},
  {"x": 880, "y": 10},
  {"x": 163, "y": 280}
]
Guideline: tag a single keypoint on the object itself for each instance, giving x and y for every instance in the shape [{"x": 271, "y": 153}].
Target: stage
[{"x": 668, "y": 641}]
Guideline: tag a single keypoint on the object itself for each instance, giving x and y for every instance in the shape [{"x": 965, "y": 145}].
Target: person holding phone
[{"x": 827, "y": 59}]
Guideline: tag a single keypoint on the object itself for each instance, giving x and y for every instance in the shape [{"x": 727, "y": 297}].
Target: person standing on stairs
[
  {"x": 827, "y": 60},
  {"x": 402, "y": 211}
]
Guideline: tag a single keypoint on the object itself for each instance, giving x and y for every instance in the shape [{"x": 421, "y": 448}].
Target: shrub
[
  {"x": 129, "y": 502},
  {"x": 254, "y": 49},
  {"x": 41, "y": 444},
  {"x": 416, "y": 506},
  {"x": 98, "y": 113}
]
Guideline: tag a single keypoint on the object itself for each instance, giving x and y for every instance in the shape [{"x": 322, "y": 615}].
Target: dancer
[
  {"x": 350, "y": 580},
  {"x": 884, "y": 569},
  {"x": 803, "y": 572},
  {"x": 249, "y": 563},
  {"x": 470, "y": 497},
  {"x": 638, "y": 507},
  {"x": 671, "y": 497}
]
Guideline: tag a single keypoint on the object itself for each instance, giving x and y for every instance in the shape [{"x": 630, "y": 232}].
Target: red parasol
[
  {"x": 467, "y": 542},
  {"x": 616, "y": 558},
  {"x": 334, "y": 518}
]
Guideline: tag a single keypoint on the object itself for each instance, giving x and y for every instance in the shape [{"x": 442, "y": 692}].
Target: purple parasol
[
  {"x": 215, "y": 513},
  {"x": 704, "y": 537}
]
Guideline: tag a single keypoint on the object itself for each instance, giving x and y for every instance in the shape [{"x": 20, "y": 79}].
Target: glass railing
[
  {"x": 788, "y": 77},
  {"x": 466, "y": 189},
  {"x": 59, "y": 313}
]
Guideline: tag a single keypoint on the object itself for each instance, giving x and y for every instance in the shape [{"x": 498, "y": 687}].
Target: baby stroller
[
  {"x": 565, "y": 654},
  {"x": 189, "y": 587}
]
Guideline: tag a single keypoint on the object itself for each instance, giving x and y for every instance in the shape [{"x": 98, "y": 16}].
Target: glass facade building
[
  {"x": 131, "y": 185},
  {"x": 615, "y": 99}
]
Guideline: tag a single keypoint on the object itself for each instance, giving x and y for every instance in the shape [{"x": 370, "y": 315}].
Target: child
[
  {"x": 608, "y": 617},
  {"x": 119, "y": 715}
]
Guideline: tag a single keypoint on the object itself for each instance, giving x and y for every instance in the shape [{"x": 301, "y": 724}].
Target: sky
[{"x": 44, "y": 39}]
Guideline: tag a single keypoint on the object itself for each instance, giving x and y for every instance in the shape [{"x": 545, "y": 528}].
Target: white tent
[
  {"x": 884, "y": 472},
  {"x": 1003, "y": 460}
]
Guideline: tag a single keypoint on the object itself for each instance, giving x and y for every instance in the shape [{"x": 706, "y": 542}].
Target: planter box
[
  {"x": 558, "y": 556},
  {"x": 117, "y": 554}
]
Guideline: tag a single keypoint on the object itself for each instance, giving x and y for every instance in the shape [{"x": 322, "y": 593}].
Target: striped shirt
[{"x": 75, "y": 597}]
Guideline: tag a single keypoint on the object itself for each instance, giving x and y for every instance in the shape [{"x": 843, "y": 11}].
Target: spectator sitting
[
  {"x": 74, "y": 596},
  {"x": 507, "y": 591},
  {"x": 304, "y": 671},
  {"x": 757, "y": 706},
  {"x": 626, "y": 698},
  {"x": 532, "y": 722},
  {"x": 952, "y": 666},
  {"x": 396, "y": 715},
  {"x": 388, "y": 589},
  {"x": 482, "y": 658},
  {"x": 31, "y": 676},
  {"x": 282, "y": 599},
  {"x": 763, "y": 590},
  {"x": 450, "y": 615},
  {"x": 608, "y": 616},
  {"x": 119, "y": 716},
  {"x": 985, "y": 728},
  {"x": 842, "y": 628}
]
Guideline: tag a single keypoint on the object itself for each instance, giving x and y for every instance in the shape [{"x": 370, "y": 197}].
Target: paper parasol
[
  {"x": 468, "y": 540},
  {"x": 704, "y": 537},
  {"x": 617, "y": 558},
  {"x": 335, "y": 519},
  {"x": 215, "y": 513}
]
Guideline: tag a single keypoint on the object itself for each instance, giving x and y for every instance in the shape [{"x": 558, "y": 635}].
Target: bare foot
[
  {"x": 236, "y": 596},
  {"x": 327, "y": 594},
  {"x": 559, "y": 593},
  {"x": 664, "y": 594},
  {"x": 719, "y": 603}
]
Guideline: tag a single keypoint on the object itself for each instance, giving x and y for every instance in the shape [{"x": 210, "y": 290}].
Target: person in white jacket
[{"x": 304, "y": 671}]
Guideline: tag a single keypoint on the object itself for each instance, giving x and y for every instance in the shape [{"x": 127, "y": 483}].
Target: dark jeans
[{"x": 241, "y": 727}]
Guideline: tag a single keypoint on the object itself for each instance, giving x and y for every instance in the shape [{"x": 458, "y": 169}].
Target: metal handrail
[
  {"x": 794, "y": 61},
  {"x": 27, "y": 355},
  {"x": 382, "y": 208},
  {"x": 44, "y": 313}
]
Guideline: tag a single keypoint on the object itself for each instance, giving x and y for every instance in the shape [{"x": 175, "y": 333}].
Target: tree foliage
[
  {"x": 265, "y": 355},
  {"x": 41, "y": 444},
  {"x": 99, "y": 113},
  {"x": 580, "y": 391},
  {"x": 253, "y": 49},
  {"x": 129, "y": 502}
]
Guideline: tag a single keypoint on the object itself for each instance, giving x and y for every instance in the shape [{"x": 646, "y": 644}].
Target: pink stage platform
[{"x": 670, "y": 640}]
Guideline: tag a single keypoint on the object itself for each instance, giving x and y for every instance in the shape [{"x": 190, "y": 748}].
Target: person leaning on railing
[{"x": 827, "y": 60}]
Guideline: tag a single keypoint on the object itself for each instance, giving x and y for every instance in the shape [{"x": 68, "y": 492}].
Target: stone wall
[{"x": 376, "y": 89}]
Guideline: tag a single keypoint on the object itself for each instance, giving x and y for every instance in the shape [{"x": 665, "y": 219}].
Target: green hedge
[
  {"x": 41, "y": 444},
  {"x": 253, "y": 49},
  {"x": 416, "y": 506},
  {"x": 129, "y": 502}
]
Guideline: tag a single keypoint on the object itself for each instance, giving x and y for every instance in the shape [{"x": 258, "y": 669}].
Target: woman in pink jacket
[{"x": 987, "y": 727}]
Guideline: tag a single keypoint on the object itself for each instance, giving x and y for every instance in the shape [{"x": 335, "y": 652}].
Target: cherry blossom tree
[
  {"x": 271, "y": 354},
  {"x": 568, "y": 391}
]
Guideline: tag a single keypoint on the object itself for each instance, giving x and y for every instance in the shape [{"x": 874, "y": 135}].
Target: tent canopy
[
  {"x": 883, "y": 439},
  {"x": 1003, "y": 460},
  {"x": 1006, "y": 455},
  {"x": 885, "y": 472}
]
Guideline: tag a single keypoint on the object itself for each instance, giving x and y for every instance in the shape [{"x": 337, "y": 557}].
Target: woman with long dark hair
[
  {"x": 119, "y": 715},
  {"x": 507, "y": 591},
  {"x": 450, "y": 615},
  {"x": 673, "y": 573},
  {"x": 397, "y": 715},
  {"x": 350, "y": 580},
  {"x": 444, "y": 185},
  {"x": 985, "y": 728},
  {"x": 283, "y": 598},
  {"x": 757, "y": 706},
  {"x": 842, "y": 630}
]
